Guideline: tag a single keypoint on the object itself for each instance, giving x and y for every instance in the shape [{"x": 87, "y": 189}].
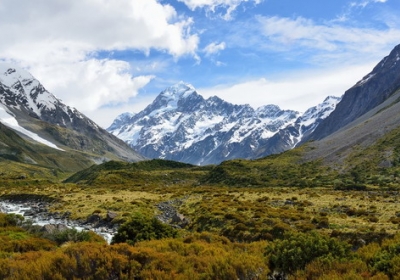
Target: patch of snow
[
  {"x": 10, "y": 121},
  {"x": 365, "y": 79}
]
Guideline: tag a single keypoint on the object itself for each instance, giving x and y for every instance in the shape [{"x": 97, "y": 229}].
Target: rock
[
  {"x": 180, "y": 220},
  {"x": 66, "y": 215},
  {"x": 50, "y": 228},
  {"x": 29, "y": 213},
  {"x": 93, "y": 219},
  {"x": 289, "y": 202},
  {"x": 111, "y": 216},
  {"x": 61, "y": 227}
]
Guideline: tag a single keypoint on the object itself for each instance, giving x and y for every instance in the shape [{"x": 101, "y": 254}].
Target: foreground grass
[{"x": 234, "y": 233}]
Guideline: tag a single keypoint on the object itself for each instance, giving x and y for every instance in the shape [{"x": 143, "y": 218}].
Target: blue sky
[{"x": 107, "y": 57}]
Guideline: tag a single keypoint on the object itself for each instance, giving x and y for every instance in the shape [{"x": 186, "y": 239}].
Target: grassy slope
[
  {"x": 377, "y": 164},
  {"x": 22, "y": 156},
  {"x": 139, "y": 174}
]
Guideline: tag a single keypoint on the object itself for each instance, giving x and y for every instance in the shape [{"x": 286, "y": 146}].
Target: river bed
[{"x": 26, "y": 209}]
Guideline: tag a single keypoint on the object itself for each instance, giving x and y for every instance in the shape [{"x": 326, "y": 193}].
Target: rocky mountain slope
[
  {"x": 367, "y": 119},
  {"x": 181, "y": 125},
  {"x": 371, "y": 91},
  {"x": 42, "y": 120}
]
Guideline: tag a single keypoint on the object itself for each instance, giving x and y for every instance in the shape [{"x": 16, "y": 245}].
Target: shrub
[
  {"x": 386, "y": 259},
  {"x": 141, "y": 228},
  {"x": 73, "y": 235},
  {"x": 10, "y": 220},
  {"x": 297, "y": 250}
]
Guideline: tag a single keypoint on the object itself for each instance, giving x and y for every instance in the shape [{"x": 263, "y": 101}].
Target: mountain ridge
[
  {"x": 181, "y": 125},
  {"x": 365, "y": 95}
]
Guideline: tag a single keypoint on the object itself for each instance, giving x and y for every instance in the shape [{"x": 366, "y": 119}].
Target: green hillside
[
  {"x": 144, "y": 173},
  {"x": 21, "y": 156}
]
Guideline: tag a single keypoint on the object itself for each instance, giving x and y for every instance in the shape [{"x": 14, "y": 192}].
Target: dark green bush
[
  {"x": 10, "y": 220},
  {"x": 72, "y": 235},
  {"x": 141, "y": 228},
  {"x": 297, "y": 250}
]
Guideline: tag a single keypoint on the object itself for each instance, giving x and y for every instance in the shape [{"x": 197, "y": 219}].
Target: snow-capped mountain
[
  {"x": 38, "y": 116},
  {"x": 22, "y": 92},
  {"x": 181, "y": 125},
  {"x": 311, "y": 118}
]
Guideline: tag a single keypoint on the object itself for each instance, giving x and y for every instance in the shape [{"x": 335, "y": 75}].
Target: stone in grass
[
  {"x": 111, "y": 216},
  {"x": 51, "y": 228},
  {"x": 93, "y": 219}
]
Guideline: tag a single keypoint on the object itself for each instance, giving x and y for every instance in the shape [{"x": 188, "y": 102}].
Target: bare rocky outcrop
[{"x": 169, "y": 214}]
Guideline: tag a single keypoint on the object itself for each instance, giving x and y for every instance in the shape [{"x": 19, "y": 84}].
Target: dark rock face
[{"x": 368, "y": 93}]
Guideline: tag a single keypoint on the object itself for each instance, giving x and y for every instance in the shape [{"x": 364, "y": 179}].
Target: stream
[{"x": 38, "y": 214}]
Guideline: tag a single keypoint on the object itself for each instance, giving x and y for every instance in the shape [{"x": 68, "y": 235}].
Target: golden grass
[{"x": 296, "y": 207}]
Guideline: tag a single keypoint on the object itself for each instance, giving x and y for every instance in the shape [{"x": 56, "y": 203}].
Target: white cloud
[
  {"x": 365, "y": 3},
  {"x": 298, "y": 91},
  {"x": 106, "y": 115},
  {"x": 211, "y": 5},
  {"x": 325, "y": 42},
  {"x": 93, "y": 83},
  {"x": 57, "y": 41},
  {"x": 101, "y": 24},
  {"x": 214, "y": 48}
]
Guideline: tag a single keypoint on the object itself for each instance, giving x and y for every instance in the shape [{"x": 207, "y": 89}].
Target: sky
[{"x": 107, "y": 57}]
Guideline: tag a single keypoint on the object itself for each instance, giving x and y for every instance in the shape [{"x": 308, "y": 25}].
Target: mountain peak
[
  {"x": 178, "y": 91},
  {"x": 331, "y": 98},
  {"x": 27, "y": 91},
  {"x": 10, "y": 75},
  {"x": 173, "y": 97},
  {"x": 121, "y": 119},
  {"x": 126, "y": 115}
]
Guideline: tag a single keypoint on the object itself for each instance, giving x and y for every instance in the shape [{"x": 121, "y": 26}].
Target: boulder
[
  {"x": 111, "y": 216},
  {"x": 51, "y": 228},
  {"x": 93, "y": 219},
  {"x": 180, "y": 220}
]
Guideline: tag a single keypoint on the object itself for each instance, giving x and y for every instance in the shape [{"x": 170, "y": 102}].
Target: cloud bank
[{"x": 58, "y": 41}]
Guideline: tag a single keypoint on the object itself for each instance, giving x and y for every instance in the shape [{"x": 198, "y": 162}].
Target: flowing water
[{"x": 25, "y": 210}]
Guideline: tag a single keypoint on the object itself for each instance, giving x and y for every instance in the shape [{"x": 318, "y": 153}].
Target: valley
[
  {"x": 224, "y": 211},
  {"x": 200, "y": 140},
  {"x": 325, "y": 205}
]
